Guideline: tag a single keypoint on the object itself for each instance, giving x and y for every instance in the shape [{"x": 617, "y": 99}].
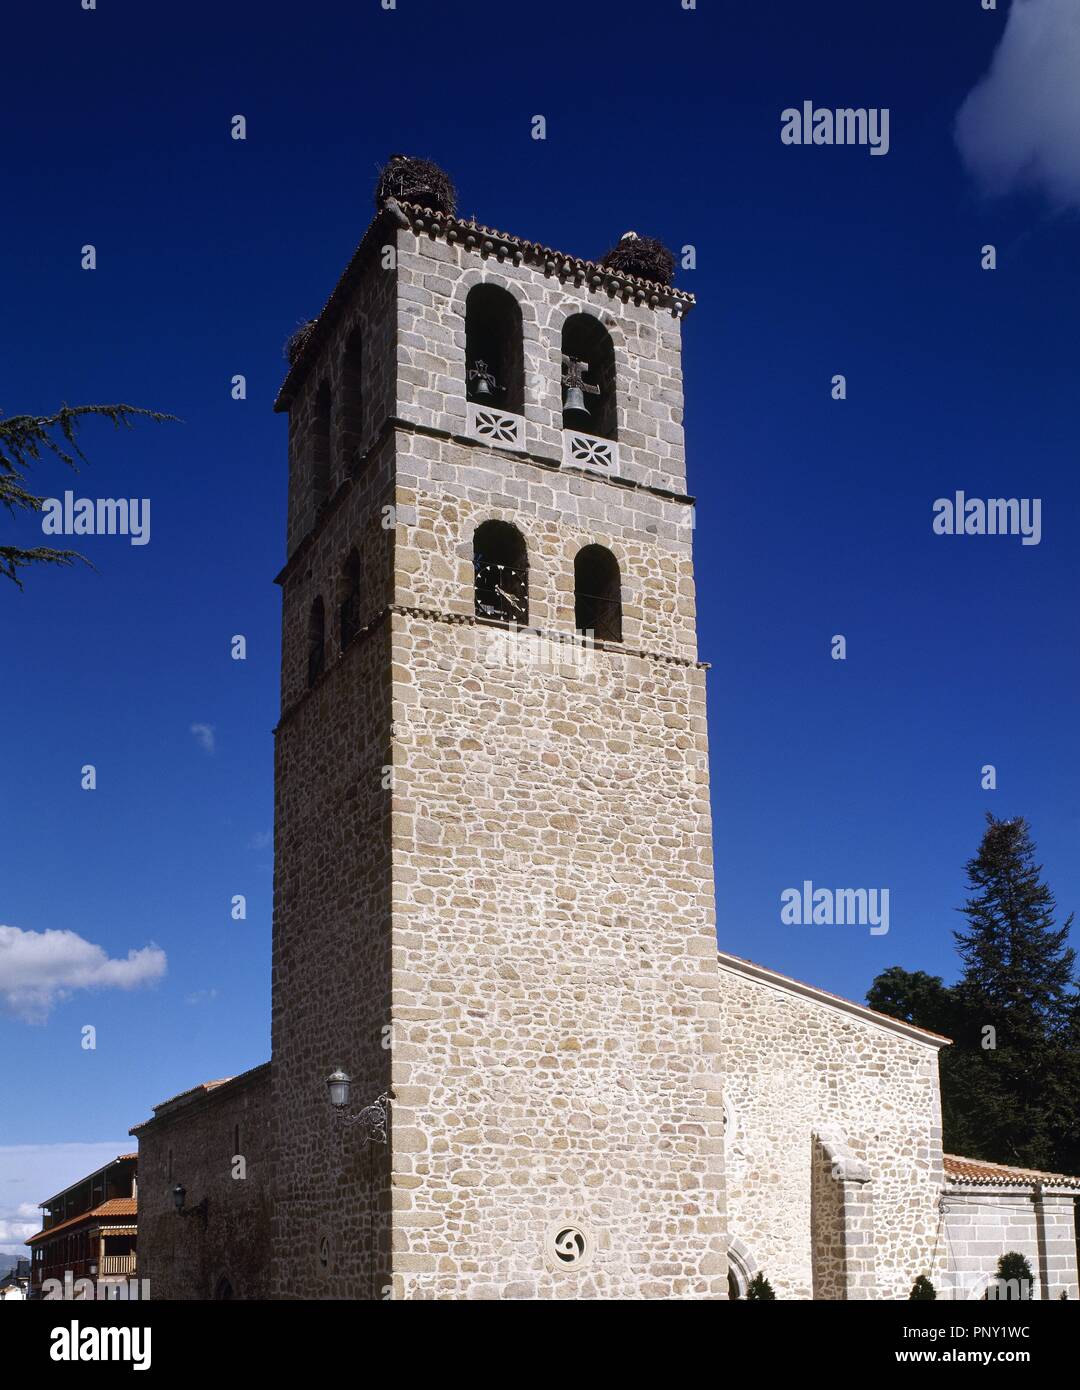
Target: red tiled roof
[
  {"x": 112, "y": 1210},
  {"x": 975, "y": 1170},
  {"x": 196, "y": 1093},
  {"x": 193, "y": 1090},
  {"x": 118, "y": 1206}
]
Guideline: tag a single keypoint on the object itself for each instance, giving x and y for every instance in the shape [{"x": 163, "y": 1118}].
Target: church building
[{"x": 507, "y": 1059}]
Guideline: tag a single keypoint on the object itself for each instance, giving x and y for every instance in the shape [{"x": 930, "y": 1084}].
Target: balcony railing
[{"x": 117, "y": 1264}]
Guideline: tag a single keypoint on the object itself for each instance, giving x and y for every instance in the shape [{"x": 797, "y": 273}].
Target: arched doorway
[{"x": 741, "y": 1268}]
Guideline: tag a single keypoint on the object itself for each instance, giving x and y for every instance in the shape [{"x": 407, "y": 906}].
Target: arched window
[
  {"x": 320, "y": 447},
  {"x": 501, "y": 573},
  {"x": 316, "y": 642},
  {"x": 349, "y": 600},
  {"x": 598, "y": 594},
  {"x": 494, "y": 358},
  {"x": 588, "y": 366},
  {"x": 352, "y": 402}
]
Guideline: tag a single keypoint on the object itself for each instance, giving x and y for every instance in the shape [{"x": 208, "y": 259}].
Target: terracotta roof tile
[
  {"x": 193, "y": 1090},
  {"x": 193, "y": 1093},
  {"x": 975, "y": 1170},
  {"x": 118, "y": 1206},
  {"x": 113, "y": 1209}
]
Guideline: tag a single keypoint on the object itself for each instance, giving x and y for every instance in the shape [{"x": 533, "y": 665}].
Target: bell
[
  {"x": 574, "y": 381},
  {"x": 482, "y": 383},
  {"x": 575, "y": 402}
]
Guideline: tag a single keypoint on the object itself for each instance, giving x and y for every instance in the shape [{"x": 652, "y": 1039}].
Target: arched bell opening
[
  {"x": 588, "y": 377},
  {"x": 494, "y": 355}
]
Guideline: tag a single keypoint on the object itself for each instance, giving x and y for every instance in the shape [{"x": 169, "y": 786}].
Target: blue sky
[{"x": 814, "y": 514}]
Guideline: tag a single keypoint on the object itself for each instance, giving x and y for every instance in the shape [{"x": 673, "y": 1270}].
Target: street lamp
[
  {"x": 373, "y": 1119},
  {"x": 201, "y": 1210},
  {"x": 338, "y": 1084}
]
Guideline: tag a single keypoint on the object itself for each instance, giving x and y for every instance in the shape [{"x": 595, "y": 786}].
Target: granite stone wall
[
  {"x": 982, "y": 1225},
  {"x": 331, "y": 977},
  {"x": 434, "y": 278},
  {"x": 555, "y": 1009},
  {"x": 798, "y": 1068},
  {"x": 195, "y": 1141},
  {"x": 494, "y": 868}
]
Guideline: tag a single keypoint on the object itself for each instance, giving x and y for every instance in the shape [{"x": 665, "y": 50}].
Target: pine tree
[
  {"x": 25, "y": 440},
  {"x": 759, "y": 1287},
  {"x": 922, "y": 1290},
  {"x": 1010, "y": 1084},
  {"x": 1008, "y": 1074}
]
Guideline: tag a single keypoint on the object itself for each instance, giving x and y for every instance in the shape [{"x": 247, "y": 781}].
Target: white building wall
[
  {"x": 807, "y": 1075},
  {"x": 983, "y": 1224}
]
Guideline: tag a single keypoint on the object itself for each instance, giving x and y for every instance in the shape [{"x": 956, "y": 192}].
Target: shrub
[{"x": 1014, "y": 1278}]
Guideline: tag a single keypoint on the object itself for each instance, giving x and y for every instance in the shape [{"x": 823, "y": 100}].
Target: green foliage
[
  {"x": 26, "y": 440},
  {"x": 1010, "y": 1084},
  {"x": 759, "y": 1287},
  {"x": 916, "y": 997},
  {"x": 1014, "y": 1276},
  {"x": 922, "y": 1290}
]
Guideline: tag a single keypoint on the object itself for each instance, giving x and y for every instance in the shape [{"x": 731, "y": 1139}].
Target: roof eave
[
  {"x": 298, "y": 369},
  {"x": 88, "y": 1177},
  {"x": 486, "y": 241},
  {"x": 787, "y": 983},
  {"x": 195, "y": 1094}
]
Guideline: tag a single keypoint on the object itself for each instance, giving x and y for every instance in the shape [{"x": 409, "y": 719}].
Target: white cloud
[
  {"x": 204, "y": 736},
  {"x": 1020, "y": 126},
  {"x": 29, "y": 1173},
  {"x": 39, "y": 969},
  {"x": 15, "y": 1226},
  {"x": 202, "y": 996}
]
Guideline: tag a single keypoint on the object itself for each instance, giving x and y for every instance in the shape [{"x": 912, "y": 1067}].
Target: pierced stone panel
[
  {"x": 567, "y": 1246},
  {"x": 590, "y": 451},
  {"x": 493, "y": 426}
]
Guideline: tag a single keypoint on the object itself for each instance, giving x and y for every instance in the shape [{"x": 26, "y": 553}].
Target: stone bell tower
[{"x": 493, "y": 894}]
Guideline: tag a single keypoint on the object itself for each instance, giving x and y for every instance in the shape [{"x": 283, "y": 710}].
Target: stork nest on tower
[
  {"x": 296, "y": 342},
  {"x": 417, "y": 181},
  {"x": 642, "y": 256}
]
